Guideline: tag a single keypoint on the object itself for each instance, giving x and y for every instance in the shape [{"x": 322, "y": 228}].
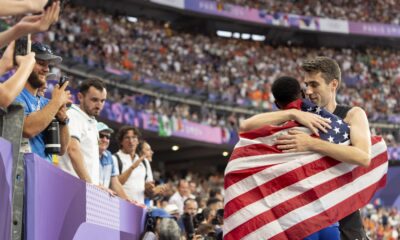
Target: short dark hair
[
  {"x": 212, "y": 201},
  {"x": 285, "y": 90},
  {"x": 328, "y": 67},
  {"x": 91, "y": 82},
  {"x": 124, "y": 130},
  {"x": 214, "y": 192}
]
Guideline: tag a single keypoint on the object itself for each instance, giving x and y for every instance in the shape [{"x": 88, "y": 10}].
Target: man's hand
[
  {"x": 62, "y": 114},
  {"x": 36, "y": 5},
  {"x": 28, "y": 61},
  {"x": 39, "y": 23},
  {"x": 109, "y": 191},
  {"x": 61, "y": 96},
  {"x": 6, "y": 61},
  {"x": 136, "y": 164},
  {"x": 312, "y": 121},
  {"x": 161, "y": 189},
  {"x": 295, "y": 141}
]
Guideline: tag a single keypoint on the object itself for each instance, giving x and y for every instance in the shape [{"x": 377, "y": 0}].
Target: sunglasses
[{"x": 101, "y": 135}]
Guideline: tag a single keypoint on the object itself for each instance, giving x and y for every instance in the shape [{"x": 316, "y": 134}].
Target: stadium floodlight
[
  {"x": 175, "y": 148},
  {"x": 132, "y": 19},
  {"x": 225, "y": 153},
  {"x": 226, "y": 34},
  {"x": 256, "y": 37},
  {"x": 246, "y": 36},
  {"x": 236, "y": 35}
]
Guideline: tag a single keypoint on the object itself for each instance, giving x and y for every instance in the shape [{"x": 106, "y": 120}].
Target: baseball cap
[
  {"x": 44, "y": 52},
  {"x": 103, "y": 127},
  {"x": 160, "y": 213}
]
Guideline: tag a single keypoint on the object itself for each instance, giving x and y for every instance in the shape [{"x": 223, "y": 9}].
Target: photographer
[
  {"x": 40, "y": 111},
  {"x": 187, "y": 221}
]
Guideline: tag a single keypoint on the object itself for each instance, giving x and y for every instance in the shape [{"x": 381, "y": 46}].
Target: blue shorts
[{"x": 328, "y": 233}]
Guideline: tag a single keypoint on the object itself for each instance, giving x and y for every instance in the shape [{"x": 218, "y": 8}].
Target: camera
[{"x": 52, "y": 138}]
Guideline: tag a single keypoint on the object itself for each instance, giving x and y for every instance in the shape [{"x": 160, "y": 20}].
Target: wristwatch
[{"x": 65, "y": 122}]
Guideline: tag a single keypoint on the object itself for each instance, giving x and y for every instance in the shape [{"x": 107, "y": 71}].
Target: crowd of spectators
[
  {"x": 381, "y": 223},
  {"x": 386, "y": 11},
  {"x": 227, "y": 71}
]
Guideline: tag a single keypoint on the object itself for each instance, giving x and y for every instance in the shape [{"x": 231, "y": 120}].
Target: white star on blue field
[{"x": 340, "y": 130}]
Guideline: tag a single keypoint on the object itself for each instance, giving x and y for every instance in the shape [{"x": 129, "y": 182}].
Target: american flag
[{"x": 275, "y": 195}]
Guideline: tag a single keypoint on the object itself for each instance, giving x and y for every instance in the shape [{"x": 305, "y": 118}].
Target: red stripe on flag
[
  {"x": 304, "y": 199},
  {"x": 339, "y": 211},
  {"x": 236, "y": 176},
  {"x": 267, "y": 130},
  {"x": 277, "y": 184},
  {"x": 253, "y": 150}
]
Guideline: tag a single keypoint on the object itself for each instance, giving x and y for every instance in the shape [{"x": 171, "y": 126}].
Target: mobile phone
[
  {"x": 21, "y": 48},
  {"x": 63, "y": 79}
]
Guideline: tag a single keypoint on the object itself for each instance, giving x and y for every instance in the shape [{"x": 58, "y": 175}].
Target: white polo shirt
[
  {"x": 83, "y": 128},
  {"x": 134, "y": 186}
]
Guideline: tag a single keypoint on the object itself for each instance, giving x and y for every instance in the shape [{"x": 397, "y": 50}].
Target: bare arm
[
  {"x": 10, "y": 7},
  {"x": 116, "y": 186},
  {"x": 358, "y": 153},
  {"x": 36, "y": 122},
  {"x": 64, "y": 139},
  {"x": 10, "y": 89},
  {"x": 64, "y": 131},
  {"x": 75, "y": 154},
  {"x": 30, "y": 24},
  {"x": 309, "y": 120},
  {"x": 123, "y": 177}
]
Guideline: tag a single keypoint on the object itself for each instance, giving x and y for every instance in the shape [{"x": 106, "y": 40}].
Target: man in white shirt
[
  {"x": 82, "y": 157},
  {"x": 179, "y": 197}
]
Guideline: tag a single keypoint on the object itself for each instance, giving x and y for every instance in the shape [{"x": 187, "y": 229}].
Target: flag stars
[
  {"x": 339, "y": 121},
  {"x": 337, "y": 130},
  {"x": 309, "y": 109},
  {"x": 346, "y": 135},
  {"x": 330, "y": 139},
  {"x": 318, "y": 110}
]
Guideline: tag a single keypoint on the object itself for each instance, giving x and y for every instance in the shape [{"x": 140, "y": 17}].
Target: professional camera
[{"x": 52, "y": 138}]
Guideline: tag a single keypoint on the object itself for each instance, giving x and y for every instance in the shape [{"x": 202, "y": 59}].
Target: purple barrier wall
[
  {"x": 5, "y": 188},
  {"x": 60, "y": 206}
]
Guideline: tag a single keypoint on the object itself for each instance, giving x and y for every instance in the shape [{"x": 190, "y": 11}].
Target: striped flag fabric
[{"x": 275, "y": 195}]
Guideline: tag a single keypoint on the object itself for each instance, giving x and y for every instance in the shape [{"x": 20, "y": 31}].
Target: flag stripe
[
  {"x": 241, "y": 215},
  {"x": 339, "y": 211},
  {"x": 303, "y": 199},
  {"x": 239, "y": 175},
  {"x": 250, "y": 182},
  {"x": 331, "y": 199},
  {"x": 287, "y": 164},
  {"x": 260, "y": 132},
  {"x": 253, "y": 150},
  {"x": 278, "y": 183}
]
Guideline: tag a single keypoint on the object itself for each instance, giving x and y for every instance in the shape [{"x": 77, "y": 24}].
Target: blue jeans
[{"x": 328, "y": 233}]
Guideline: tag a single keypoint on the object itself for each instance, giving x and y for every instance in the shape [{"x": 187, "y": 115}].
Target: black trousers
[{"x": 351, "y": 227}]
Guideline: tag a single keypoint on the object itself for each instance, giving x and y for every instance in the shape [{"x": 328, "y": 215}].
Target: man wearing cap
[
  {"x": 40, "y": 111},
  {"x": 108, "y": 171}
]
